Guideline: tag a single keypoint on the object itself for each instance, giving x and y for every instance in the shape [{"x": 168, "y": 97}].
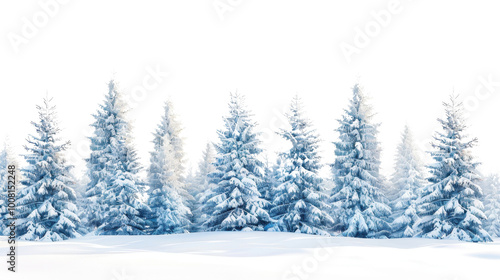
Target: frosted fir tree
[
  {"x": 173, "y": 128},
  {"x": 450, "y": 207},
  {"x": 190, "y": 184},
  {"x": 113, "y": 195},
  {"x": 103, "y": 160},
  {"x": 169, "y": 213},
  {"x": 408, "y": 179},
  {"x": 299, "y": 203},
  {"x": 4, "y": 213},
  {"x": 46, "y": 207},
  {"x": 359, "y": 207},
  {"x": 491, "y": 188},
  {"x": 235, "y": 202},
  {"x": 270, "y": 180},
  {"x": 201, "y": 179},
  {"x": 125, "y": 213},
  {"x": 7, "y": 158},
  {"x": 199, "y": 188}
]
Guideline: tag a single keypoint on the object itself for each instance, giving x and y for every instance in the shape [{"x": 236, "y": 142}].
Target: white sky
[{"x": 267, "y": 50}]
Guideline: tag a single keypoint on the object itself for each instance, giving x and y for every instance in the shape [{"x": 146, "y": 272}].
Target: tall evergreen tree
[
  {"x": 359, "y": 207},
  {"x": 269, "y": 182},
  {"x": 491, "y": 187},
  {"x": 113, "y": 195},
  {"x": 169, "y": 213},
  {"x": 46, "y": 208},
  {"x": 200, "y": 189},
  {"x": 299, "y": 203},
  {"x": 190, "y": 185},
  {"x": 206, "y": 166},
  {"x": 234, "y": 202},
  {"x": 450, "y": 206},
  {"x": 101, "y": 164},
  {"x": 408, "y": 180},
  {"x": 173, "y": 128}
]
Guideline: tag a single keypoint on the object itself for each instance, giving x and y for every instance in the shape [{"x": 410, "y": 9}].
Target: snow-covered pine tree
[
  {"x": 114, "y": 192},
  {"x": 268, "y": 183},
  {"x": 491, "y": 188},
  {"x": 169, "y": 213},
  {"x": 299, "y": 203},
  {"x": 7, "y": 158},
  {"x": 101, "y": 164},
  {"x": 80, "y": 188},
  {"x": 174, "y": 130},
  {"x": 450, "y": 207},
  {"x": 4, "y": 214},
  {"x": 277, "y": 172},
  {"x": 190, "y": 185},
  {"x": 205, "y": 168},
  {"x": 235, "y": 202},
  {"x": 408, "y": 180},
  {"x": 46, "y": 208},
  {"x": 359, "y": 207},
  {"x": 200, "y": 189}
]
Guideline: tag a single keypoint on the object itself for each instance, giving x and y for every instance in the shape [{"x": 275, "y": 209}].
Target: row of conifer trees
[{"x": 234, "y": 189}]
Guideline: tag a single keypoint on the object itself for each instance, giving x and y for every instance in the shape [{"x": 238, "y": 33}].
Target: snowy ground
[{"x": 252, "y": 255}]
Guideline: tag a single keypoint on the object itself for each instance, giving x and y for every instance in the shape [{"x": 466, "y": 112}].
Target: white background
[{"x": 267, "y": 50}]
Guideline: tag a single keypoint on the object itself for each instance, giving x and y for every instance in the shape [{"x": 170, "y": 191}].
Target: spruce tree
[
  {"x": 101, "y": 164},
  {"x": 205, "y": 168},
  {"x": 359, "y": 207},
  {"x": 450, "y": 207},
  {"x": 173, "y": 128},
  {"x": 114, "y": 205},
  {"x": 7, "y": 158},
  {"x": 299, "y": 201},
  {"x": 169, "y": 213},
  {"x": 268, "y": 183},
  {"x": 408, "y": 181},
  {"x": 200, "y": 189},
  {"x": 4, "y": 213},
  {"x": 46, "y": 208},
  {"x": 491, "y": 187},
  {"x": 234, "y": 201}
]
